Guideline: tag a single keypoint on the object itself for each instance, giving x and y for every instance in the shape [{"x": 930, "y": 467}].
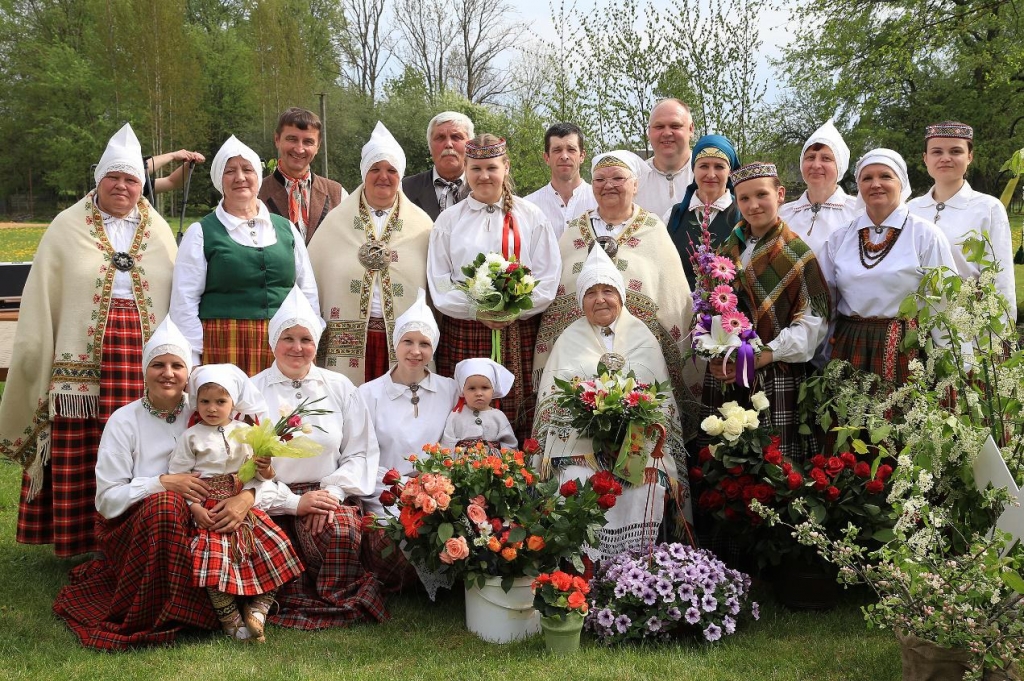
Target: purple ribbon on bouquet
[{"x": 745, "y": 359}]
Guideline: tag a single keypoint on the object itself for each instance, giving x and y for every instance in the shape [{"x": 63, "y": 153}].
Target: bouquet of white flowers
[{"x": 500, "y": 289}]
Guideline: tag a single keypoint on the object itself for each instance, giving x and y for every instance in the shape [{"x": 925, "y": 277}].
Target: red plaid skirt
[
  {"x": 64, "y": 511},
  {"x": 242, "y": 342},
  {"x": 336, "y": 589},
  {"x": 255, "y": 559},
  {"x": 140, "y": 592},
  {"x": 465, "y": 338},
  {"x": 872, "y": 344},
  {"x": 377, "y": 361},
  {"x": 393, "y": 571}
]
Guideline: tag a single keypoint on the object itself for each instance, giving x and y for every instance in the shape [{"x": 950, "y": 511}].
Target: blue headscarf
[{"x": 720, "y": 142}]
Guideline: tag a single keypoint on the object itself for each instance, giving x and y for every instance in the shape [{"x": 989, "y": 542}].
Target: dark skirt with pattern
[
  {"x": 255, "y": 559},
  {"x": 463, "y": 338},
  {"x": 378, "y": 359},
  {"x": 873, "y": 344},
  {"x": 337, "y": 589},
  {"x": 140, "y": 592},
  {"x": 64, "y": 511},
  {"x": 242, "y": 342}
]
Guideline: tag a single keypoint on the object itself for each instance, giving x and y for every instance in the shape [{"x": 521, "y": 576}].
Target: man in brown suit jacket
[
  {"x": 444, "y": 185},
  {"x": 293, "y": 190}
]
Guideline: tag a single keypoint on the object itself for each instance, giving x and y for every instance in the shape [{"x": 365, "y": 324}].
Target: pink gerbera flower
[
  {"x": 723, "y": 269},
  {"x": 735, "y": 322},
  {"x": 723, "y": 299}
]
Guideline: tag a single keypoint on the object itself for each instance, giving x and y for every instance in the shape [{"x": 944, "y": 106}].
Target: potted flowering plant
[
  {"x": 719, "y": 328},
  {"x": 561, "y": 600},
  {"x": 616, "y": 411},
  {"x": 673, "y": 589},
  {"x": 277, "y": 439},
  {"x": 500, "y": 288},
  {"x": 481, "y": 515}
]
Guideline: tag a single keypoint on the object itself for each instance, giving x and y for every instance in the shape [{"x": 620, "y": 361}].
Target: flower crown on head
[
  {"x": 486, "y": 150},
  {"x": 949, "y": 129},
  {"x": 754, "y": 170}
]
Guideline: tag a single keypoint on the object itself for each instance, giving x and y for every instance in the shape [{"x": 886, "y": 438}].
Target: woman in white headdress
[
  {"x": 317, "y": 500},
  {"x": 824, "y": 207},
  {"x": 99, "y": 285},
  {"x": 235, "y": 267},
  {"x": 370, "y": 258},
  {"x": 140, "y": 590},
  {"x": 875, "y": 262},
  {"x": 609, "y": 334}
]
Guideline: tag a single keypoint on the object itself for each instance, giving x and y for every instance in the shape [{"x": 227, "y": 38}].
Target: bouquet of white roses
[{"x": 500, "y": 290}]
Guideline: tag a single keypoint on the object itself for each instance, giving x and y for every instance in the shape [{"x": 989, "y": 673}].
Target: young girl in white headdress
[
  {"x": 247, "y": 558},
  {"x": 474, "y": 419}
]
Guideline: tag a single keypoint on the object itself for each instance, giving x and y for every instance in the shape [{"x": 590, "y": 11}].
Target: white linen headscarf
[
  {"x": 632, "y": 162},
  {"x": 382, "y": 147},
  {"x": 248, "y": 400},
  {"x": 829, "y": 135},
  {"x": 295, "y": 310},
  {"x": 890, "y": 158},
  {"x": 501, "y": 378},
  {"x": 122, "y": 155},
  {"x": 417, "y": 318},
  {"x": 599, "y": 269},
  {"x": 167, "y": 340},
  {"x": 230, "y": 149}
]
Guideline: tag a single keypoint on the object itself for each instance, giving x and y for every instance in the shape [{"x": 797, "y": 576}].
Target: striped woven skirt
[
  {"x": 378, "y": 360},
  {"x": 64, "y": 511},
  {"x": 255, "y": 559},
  {"x": 873, "y": 344},
  {"x": 141, "y": 591},
  {"x": 337, "y": 588},
  {"x": 242, "y": 342},
  {"x": 465, "y": 338}
]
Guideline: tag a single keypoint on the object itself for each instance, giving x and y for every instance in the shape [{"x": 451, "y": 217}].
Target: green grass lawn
[
  {"x": 18, "y": 244},
  {"x": 423, "y": 640}
]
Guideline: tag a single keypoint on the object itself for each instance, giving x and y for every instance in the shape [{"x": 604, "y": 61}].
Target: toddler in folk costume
[
  {"x": 251, "y": 560},
  {"x": 481, "y": 380}
]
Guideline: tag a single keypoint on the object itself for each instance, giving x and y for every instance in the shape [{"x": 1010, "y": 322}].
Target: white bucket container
[{"x": 500, "y": 617}]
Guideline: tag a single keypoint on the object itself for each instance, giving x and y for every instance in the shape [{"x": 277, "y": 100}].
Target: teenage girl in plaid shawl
[
  {"x": 257, "y": 558},
  {"x": 780, "y": 285}
]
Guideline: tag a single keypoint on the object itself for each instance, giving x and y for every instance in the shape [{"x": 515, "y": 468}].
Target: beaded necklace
[
  {"x": 169, "y": 415},
  {"x": 871, "y": 254}
]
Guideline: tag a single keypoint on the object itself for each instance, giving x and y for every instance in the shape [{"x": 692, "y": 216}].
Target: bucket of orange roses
[{"x": 481, "y": 515}]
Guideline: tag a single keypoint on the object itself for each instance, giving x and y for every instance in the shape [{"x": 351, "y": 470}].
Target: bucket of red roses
[{"x": 481, "y": 515}]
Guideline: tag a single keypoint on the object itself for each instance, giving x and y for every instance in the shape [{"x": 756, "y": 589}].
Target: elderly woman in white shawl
[
  {"x": 235, "y": 266},
  {"x": 317, "y": 498},
  {"x": 370, "y": 258},
  {"x": 608, "y": 333}
]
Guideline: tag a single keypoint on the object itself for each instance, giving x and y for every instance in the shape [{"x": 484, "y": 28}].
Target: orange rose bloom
[
  {"x": 528, "y": 477},
  {"x": 519, "y": 458},
  {"x": 448, "y": 463},
  {"x": 509, "y": 553},
  {"x": 493, "y": 544},
  {"x": 510, "y": 483},
  {"x": 535, "y": 542}
]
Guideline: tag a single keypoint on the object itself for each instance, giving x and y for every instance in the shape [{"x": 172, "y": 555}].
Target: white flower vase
[{"x": 499, "y": 617}]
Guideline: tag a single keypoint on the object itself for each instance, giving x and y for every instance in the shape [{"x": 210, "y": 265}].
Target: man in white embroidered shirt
[
  {"x": 668, "y": 172},
  {"x": 568, "y": 195}
]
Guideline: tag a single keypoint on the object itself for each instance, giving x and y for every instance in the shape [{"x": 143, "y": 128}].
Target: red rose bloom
[
  {"x": 773, "y": 456},
  {"x": 818, "y": 461},
  {"x": 831, "y": 493},
  {"x": 569, "y": 489},
  {"x": 496, "y": 524},
  {"x": 387, "y": 498},
  {"x": 883, "y": 472},
  {"x": 776, "y": 441},
  {"x": 711, "y": 500},
  {"x": 763, "y": 492},
  {"x": 787, "y": 468},
  {"x": 295, "y": 421},
  {"x": 819, "y": 478},
  {"x": 862, "y": 469},
  {"x": 696, "y": 474},
  {"x": 512, "y": 267},
  {"x": 730, "y": 513},
  {"x": 603, "y": 482},
  {"x": 731, "y": 488},
  {"x": 834, "y": 466},
  {"x": 606, "y": 501},
  {"x": 849, "y": 459},
  {"x": 794, "y": 480},
  {"x": 735, "y": 470},
  {"x": 874, "y": 486},
  {"x": 705, "y": 455},
  {"x": 531, "y": 446},
  {"x": 391, "y": 477}
]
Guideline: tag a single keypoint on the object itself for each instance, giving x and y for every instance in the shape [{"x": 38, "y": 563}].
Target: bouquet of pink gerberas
[{"x": 720, "y": 330}]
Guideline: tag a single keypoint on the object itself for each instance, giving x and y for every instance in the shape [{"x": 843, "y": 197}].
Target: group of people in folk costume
[{"x": 133, "y": 356}]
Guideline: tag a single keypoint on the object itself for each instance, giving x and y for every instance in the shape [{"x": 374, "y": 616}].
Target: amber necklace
[{"x": 871, "y": 254}]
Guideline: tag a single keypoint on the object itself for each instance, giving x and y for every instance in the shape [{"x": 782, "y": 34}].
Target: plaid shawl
[{"x": 782, "y": 280}]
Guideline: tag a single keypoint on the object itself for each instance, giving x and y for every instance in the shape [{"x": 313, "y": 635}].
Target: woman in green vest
[{"x": 235, "y": 267}]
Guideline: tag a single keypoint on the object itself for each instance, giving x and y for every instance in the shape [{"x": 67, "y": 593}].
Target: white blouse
[
  {"x": 379, "y": 221},
  {"x": 390, "y": 404},
  {"x": 135, "y": 450},
  {"x": 560, "y": 213},
  {"x": 467, "y": 229},
  {"x": 971, "y": 213},
  {"x": 350, "y": 458},
  {"x": 659, "y": 192},
  {"x": 839, "y": 211},
  {"x": 120, "y": 233},
  {"x": 878, "y": 292},
  {"x": 209, "y": 450},
  {"x": 189, "y": 280}
]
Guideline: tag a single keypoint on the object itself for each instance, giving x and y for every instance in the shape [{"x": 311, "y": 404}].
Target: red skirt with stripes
[
  {"x": 336, "y": 589},
  {"x": 242, "y": 342},
  {"x": 378, "y": 359},
  {"x": 464, "y": 338},
  {"x": 64, "y": 511},
  {"x": 141, "y": 591}
]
